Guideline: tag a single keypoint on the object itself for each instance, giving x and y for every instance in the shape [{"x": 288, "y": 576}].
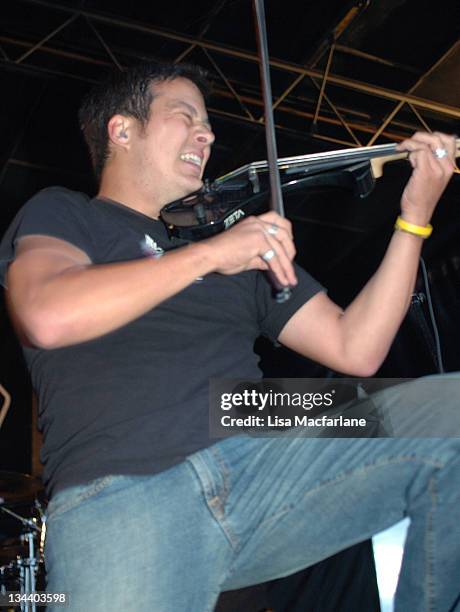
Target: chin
[
  {"x": 184, "y": 190},
  {"x": 193, "y": 184}
]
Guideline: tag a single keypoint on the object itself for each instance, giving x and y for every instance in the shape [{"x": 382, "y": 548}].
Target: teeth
[{"x": 191, "y": 157}]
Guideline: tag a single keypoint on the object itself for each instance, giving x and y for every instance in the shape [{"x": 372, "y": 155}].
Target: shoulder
[
  {"x": 55, "y": 212},
  {"x": 57, "y": 196}
]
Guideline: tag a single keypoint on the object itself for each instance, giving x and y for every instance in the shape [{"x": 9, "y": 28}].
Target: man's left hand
[{"x": 431, "y": 173}]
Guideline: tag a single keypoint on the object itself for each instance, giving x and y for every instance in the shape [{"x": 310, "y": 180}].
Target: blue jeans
[{"x": 247, "y": 510}]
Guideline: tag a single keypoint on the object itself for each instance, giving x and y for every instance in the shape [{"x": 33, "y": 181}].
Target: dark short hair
[{"x": 128, "y": 92}]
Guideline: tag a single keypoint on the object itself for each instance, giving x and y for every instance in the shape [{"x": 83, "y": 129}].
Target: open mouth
[{"x": 192, "y": 159}]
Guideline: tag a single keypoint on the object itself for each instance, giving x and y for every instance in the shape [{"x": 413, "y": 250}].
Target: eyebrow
[{"x": 190, "y": 108}]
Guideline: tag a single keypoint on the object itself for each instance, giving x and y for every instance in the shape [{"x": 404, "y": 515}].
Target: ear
[{"x": 119, "y": 130}]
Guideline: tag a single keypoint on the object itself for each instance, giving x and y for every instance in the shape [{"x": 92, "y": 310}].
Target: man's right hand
[{"x": 244, "y": 246}]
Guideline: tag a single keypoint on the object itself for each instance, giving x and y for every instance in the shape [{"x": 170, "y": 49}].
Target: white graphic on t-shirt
[{"x": 150, "y": 247}]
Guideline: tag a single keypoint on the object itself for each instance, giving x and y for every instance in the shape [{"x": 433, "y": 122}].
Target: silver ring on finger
[
  {"x": 270, "y": 254},
  {"x": 440, "y": 153},
  {"x": 273, "y": 229}
]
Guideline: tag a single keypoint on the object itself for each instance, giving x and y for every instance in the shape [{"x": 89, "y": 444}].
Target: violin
[
  {"x": 243, "y": 192},
  {"x": 230, "y": 198}
]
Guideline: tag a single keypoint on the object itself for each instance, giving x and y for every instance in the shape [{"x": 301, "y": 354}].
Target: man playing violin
[{"x": 122, "y": 327}]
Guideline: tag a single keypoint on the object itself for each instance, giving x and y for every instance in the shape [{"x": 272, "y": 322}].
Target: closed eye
[{"x": 188, "y": 116}]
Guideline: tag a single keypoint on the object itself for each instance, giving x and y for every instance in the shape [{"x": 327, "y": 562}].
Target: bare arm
[
  {"x": 57, "y": 297},
  {"x": 356, "y": 341}
]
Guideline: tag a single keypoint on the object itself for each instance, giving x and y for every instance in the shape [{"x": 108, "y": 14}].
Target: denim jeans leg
[
  {"x": 288, "y": 502},
  {"x": 136, "y": 543}
]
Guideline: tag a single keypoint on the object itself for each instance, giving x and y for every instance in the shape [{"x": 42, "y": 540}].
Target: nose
[{"x": 204, "y": 135}]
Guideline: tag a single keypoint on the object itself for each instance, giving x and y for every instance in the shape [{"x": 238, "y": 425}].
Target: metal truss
[{"x": 247, "y": 97}]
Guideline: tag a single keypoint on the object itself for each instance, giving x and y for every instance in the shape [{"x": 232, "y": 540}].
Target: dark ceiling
[{"x": 344, "y": 73}]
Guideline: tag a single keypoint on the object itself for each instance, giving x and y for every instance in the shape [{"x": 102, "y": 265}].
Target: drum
[
  {"x": 9, "y": 578},
  {"x": 22, "y": 534}
]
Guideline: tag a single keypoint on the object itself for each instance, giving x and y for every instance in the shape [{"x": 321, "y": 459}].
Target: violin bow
[{"x": 276, "y": 197}]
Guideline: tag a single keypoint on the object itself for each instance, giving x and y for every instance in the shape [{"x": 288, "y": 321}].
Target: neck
[{"x": 117, "y": 186}]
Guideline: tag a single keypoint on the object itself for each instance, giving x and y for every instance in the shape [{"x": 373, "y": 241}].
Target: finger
[
  {"x": 283, "y": 247},
  {"x": 422, "y": 157},
  {"x": 284, "y": 275},
  {"x": 439, "y": 162},
  {"x": 449, "y": 143},
  {"x": 278, "y": 261},
  {"x": 279, "y": 234},
  {"x": 254, "y": 233},
  {"x": 433, "y": 140},
  {"x": 437, "y": 142},
  {"x": 274, "y": 278},
  {"x": 271, "y": 217},
  {"x": 279, "y": 229}
]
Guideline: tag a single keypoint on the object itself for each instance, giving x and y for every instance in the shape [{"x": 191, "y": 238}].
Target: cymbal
[{"x": 15, "y": 487}]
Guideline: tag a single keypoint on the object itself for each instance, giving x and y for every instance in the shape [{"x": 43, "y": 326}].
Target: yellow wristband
[{"x": 424, "y": 231}]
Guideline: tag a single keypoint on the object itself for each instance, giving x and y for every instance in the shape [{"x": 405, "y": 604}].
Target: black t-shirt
[{"x": 135, "y": 400}]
